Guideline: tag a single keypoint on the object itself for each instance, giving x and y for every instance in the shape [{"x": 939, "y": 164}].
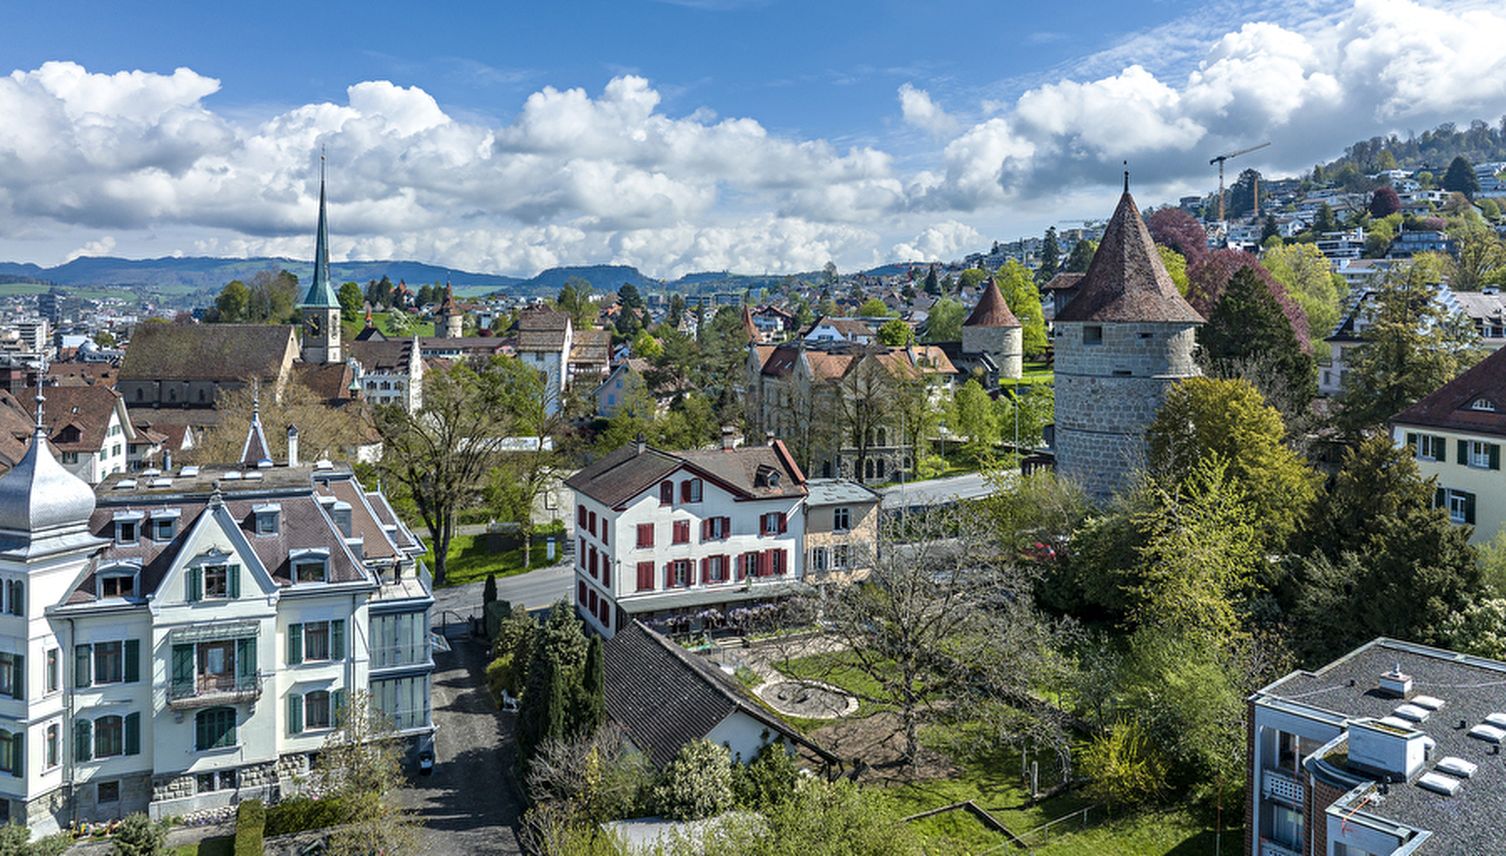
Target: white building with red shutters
[{"x": 666, "y": 536}]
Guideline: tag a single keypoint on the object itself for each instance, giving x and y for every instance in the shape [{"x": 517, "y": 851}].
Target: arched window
[
  {"x": 214, "y": 728},
  {"x": 883, "y": 436},
  {"x": 878, "y": 468}
]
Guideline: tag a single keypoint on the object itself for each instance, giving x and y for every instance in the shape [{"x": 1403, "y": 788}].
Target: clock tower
[{"x": 320, "y": 308}]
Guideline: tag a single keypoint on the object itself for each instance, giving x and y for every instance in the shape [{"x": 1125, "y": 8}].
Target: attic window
[
  {"x": 267, "y": 519},
  {"x": 164, "y": 525},
  {"x": 340, "y": 513},
  {"x": 767, "y": 477},
  {"x": 1092, "y": 335},
  {"x": 313, "y": 569},
  {"x": 1484, "y": 404},
  {"x": 117, "y": 584},
  {"x": 127, "y": 527}
]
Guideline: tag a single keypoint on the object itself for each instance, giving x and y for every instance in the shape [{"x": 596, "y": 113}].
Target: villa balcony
[
  {"x": 210, "y": 690},
  {"x": 1283, "y": 786}
]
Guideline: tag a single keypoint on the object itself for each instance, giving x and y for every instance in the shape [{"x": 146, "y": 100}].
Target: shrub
[
  {"x": 15, "y": 841},
  {"x": 697, "y": 783},
  {"x": 250, "y": 825},
  {"x": 768, "y": 780},
  {"x": 500, "y": 676},
  {"x": 139, "y": 835},
  {"x": 301, "y": 814},
  {"x": 1123, "y": 767},
  {"x": 52, "y": 845}
]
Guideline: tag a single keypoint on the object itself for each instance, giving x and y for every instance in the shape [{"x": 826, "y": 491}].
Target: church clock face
[{"x": 312, "y": 324}]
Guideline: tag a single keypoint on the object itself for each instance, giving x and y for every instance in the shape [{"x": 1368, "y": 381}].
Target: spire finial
[
  {"x": 255, "y": 399},
  {"x": 40, "y": 398},
  {"x": 1126, "y": 176}
]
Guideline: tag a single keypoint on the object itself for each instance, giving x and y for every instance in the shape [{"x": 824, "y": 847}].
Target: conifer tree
[
  {"x": 1051, "y": 255},
  {"x": 1248, "y": 326},
  {"x": 591, "y": 712},
  {"x": 489, "y": 592}
]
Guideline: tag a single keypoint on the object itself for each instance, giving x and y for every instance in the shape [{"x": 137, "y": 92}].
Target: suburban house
[
  {"x": 671, "y": 537},
  {"x": 182, "y": 640},
  {"x": 664, "y": 697},
  {"x": 544, "y": 339},
  {"x": 1391, "y": 750},
  {"x": 392, "y": 371},
  {"x": 91, "y": 430},
  {"x": 629, "y": 378},
  {"x": 1456, "y": 434},
  {"x": 834, "y": 329},
  {"x": 841, "y": 531}
]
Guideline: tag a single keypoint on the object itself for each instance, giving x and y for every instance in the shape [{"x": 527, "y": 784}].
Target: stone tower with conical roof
[
  {"x": 449, "y": 321},
  {"x": 320, "y": 307},
  {"x": 993, "y": 330},
  {"x": 1123, "y": 341}
]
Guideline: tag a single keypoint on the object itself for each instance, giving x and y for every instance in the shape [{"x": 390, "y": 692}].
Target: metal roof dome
[{"x": 38, "y": 496}]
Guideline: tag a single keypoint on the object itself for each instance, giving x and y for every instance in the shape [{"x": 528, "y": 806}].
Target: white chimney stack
[{"x": 292, "y": 445}]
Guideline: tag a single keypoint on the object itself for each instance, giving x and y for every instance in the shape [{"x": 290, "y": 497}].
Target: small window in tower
[
  {"x": 1092, "y": 335},
  {"x": 1145, "y": 335},
  {"x": 1123, "y": 373}
]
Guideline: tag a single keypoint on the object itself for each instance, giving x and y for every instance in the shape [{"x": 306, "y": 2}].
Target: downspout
[{"x": 68, "y": 736}]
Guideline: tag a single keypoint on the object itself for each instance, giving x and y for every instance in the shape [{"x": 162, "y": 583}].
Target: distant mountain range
[{"x": 189, "y": 275}]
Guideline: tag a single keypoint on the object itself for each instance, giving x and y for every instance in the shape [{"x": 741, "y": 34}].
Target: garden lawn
[
  {"x": 472, "y": 557},
  {"x": 222, "y": 846},
  {"x": 1033, "y": 373}
]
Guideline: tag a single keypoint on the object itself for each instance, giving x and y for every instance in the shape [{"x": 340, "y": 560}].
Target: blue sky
[{"x": 700, "y": 134}]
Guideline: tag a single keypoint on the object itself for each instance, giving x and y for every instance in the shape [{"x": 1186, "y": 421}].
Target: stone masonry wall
[
  {"x": 1005, "y": 344},
  {"x": 1107, "y": 395}
]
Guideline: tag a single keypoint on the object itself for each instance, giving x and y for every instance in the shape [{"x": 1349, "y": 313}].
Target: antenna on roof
[{"x": 1126, "y": 176}]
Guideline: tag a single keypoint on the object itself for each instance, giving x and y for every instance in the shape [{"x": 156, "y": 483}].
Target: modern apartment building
[
  {"x": 183, "y": 640},
  {"x": 1391, "y": 750},
  {"x": 663, "y": 536}
]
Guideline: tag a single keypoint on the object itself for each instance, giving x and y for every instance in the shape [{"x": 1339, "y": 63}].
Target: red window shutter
[
  {"x": 591, "y": 523},
  {"x": 737, "y": 573},
  {"x": 645, "y": 576},
  {"x": 606, "y": 571},
  {"x": 784, "y": 561},
  {"x": 580, "y": 595},
  {"x": 705, "y": 529},
  {"x": 669, "y": 575},
  {"x": 603, "y": 529},
  {"x": 592, "y": 564},
  {"x": 783, "y": 521},
  {"x": 685, "y": 490},
  {"x": 726, "y": 568},
  {"x": 666, "y": 493},
  {"x": 763, "y": 563},
  {"x": 580, "y": 516},
  {"x": 705, "y": 571},
  {"x": 726, "y": 527}
]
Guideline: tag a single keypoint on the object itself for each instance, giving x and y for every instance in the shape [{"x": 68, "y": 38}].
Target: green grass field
[
  {"x": 223, "y": 846},
  {"x": 472, "y": 557}
]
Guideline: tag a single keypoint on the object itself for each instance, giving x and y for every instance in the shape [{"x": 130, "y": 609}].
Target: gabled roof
[
  {"x": 209, "y": 352},
  {"x": 665, "y": 697},
  {"x": 632, "y": 469},
  {"x": 87, "y": 407},
  {"x": 1450, "y": 406},
  {"x": 1126, "y": 281},
  {"x": 992, "y": 310}
]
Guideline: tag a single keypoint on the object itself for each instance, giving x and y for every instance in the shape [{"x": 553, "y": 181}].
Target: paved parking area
[{"x": 468, "y": 804}]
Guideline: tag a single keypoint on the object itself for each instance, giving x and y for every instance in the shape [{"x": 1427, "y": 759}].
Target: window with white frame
[
  {"x": 840, "y": 556},
  {"x": 1483, "y": 455},
  {"x": 1484, "y": 404},
  {"x": 841, "y": 519},
  {"x": 316, "y": 710},
  {"x": 117, "y": 584},
  {"x": 125, "y": 529},
  {"x": 1431, "y": 447},
  {"x": 818, "y": 558},
  {"x": 1461, "y": 506},
  {"x": 312, "y": 569}
]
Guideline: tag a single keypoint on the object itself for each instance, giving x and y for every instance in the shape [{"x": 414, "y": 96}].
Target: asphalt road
[
  {"x": 936, "y": 491},
  {"x": 534, "y": 590},
  {"x": 468, "y": 804}
]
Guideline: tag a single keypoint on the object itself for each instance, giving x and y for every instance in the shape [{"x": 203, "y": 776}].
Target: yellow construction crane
[{"x": 1220, "y": 161}]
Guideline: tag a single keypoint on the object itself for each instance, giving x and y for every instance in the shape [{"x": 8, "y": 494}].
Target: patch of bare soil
[{"x": 873, "y": 749}]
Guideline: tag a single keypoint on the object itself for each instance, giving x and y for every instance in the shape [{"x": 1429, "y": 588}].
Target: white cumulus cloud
[{"x": 919, "y": 110}]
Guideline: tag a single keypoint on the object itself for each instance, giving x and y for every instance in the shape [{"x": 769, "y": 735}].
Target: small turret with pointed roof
[
  {"x": 451, "y": 323},
  {"x": 255, "y": 453},
  {"x": 993, "y": 329}
]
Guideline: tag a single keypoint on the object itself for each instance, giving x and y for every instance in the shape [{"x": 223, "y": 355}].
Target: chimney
[
  {"x": 768, "y": 438},
  {"x": 292, "y": 445},
  {"x": 639, "y": 444},
  {"x": 1396, "y": 683},
  {"x": 729, "y": 438},
  {"x": 167, "y": 460}
]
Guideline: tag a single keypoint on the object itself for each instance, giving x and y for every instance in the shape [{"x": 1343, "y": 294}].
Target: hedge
[
  {"x": 250, "y": 825},
  {"x": 300, "y": 814}
]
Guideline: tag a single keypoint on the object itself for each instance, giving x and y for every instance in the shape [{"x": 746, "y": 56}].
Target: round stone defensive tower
[
  {"x": 1124, "y": 339},
  {"x": 992, "y": 329}
]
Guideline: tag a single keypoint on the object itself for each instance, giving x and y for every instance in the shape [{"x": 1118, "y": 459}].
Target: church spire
[{"x": 321, "y": 293}]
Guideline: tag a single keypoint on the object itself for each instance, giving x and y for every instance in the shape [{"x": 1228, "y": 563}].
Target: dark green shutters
[
  {"x": 133, "y": 734},
  {"x": 193, "y": 585},
  {"x": 295, "y": 713},
  {"x": 233, "y": 581},
  {"x": 18, "y": 676},
  {"x": 18, "y": 754},
  {"x": 245, "y": 658},
  {"x": 295, "y": 644},
  {"x": 182, "y": 676},
  {"x": 1495, "y": 456},
  {"x": 1463, "y": 446},
  {"x": 214, "y": 729},
  {"x": 337, "y": 707},
  {"x": 1412, "y": 441},
  {"x": 83, "y": 740},
  {"x": 132, "y": 668},
  {"x": 82, "y": 666},
  {"x": 1469, "y": 508},
  {"x": 337, "y": 639}
]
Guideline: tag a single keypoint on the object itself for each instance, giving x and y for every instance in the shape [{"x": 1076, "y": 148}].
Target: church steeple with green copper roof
[{"x": 321, "y": 293}]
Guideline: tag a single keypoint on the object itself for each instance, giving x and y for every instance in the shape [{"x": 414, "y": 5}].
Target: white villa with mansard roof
[{"x": 184, "y": 640}]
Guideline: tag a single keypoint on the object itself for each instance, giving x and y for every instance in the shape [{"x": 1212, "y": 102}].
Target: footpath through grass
[{"x": 472, "y": 557}]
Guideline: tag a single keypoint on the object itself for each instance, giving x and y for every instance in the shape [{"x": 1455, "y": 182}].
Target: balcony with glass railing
[
  {"x": 1283, "y": 786},
  {"x": 398, "y": 656},
  {"x": 209, "y": 690}
]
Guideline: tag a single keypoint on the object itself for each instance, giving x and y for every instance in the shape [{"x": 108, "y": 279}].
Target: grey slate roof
[
  {"x": 665, "y": 697},
  {"x": 628, "y": 471},
  {"x": 210, "y": 352}
]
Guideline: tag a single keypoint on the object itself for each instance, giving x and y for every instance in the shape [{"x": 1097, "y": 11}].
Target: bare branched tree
[{"x": 361, "y": 765}]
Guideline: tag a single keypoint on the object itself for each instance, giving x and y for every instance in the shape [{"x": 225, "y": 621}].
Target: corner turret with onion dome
[{"x": 44, "y": 509}]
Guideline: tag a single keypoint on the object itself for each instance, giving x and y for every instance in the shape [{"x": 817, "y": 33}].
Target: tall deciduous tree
[
  {"x": 233, "y": 302},
  {"x": 1024, "y": 299},
  {"x": 944, "y": 321},
  {"x": 360, "y": 765},
  {"x": 1413, "y": 346},
  {"x": 1175, "y": 228},
  {"x": 351, "y": 299},
  {"x": 442, "y": 452},
  {"x": 1460, "y": 178},
  {"x": 1384, "y": 202},
  {"x": 1309, "y": 278},
  {"x": 972, "y": 415},
  {"x": 896, "y": 333},
  {"x": 1207, "y": 419}
]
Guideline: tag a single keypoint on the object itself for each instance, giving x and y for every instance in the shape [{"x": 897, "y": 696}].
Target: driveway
[
  {"x": 536, "y": 589},
  {"x": 936, "y": 491},
  {"x": 469, "y": 803}
]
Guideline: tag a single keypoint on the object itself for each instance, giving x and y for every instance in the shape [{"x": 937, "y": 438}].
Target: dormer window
[
  {"x": 766, "y": 477},
  {"x": 267, "y": 519},
  {"x": 340, "y": 513},
  {"x": 127, "y": 526},
  {"x": 1484, "y": 404},
  {"x": 164, "y": 525},
  {"x": 309, "y": 566},
  {"x": 118, "y": 583}
]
